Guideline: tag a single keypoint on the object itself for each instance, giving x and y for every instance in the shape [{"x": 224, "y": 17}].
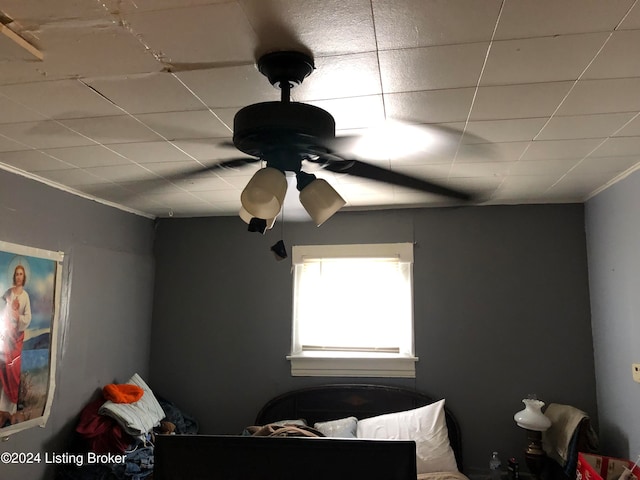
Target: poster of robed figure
[{"x": 29, "y": 305}]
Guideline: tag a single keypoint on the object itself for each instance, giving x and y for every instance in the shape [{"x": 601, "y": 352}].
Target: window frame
[{"x": 353, "y": 363}]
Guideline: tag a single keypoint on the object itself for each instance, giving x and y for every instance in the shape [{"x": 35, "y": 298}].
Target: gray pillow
[{"x": 343, "y": 428}]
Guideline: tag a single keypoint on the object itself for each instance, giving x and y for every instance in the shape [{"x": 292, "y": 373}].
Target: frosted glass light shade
[
  {"x": 320, "y": 200},
  {"x": 532, "y": 417},
  {"x": 264, "y": 194},
  {"x": 246, "y": 218}
]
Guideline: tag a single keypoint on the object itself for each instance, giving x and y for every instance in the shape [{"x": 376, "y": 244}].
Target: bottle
[
  {"x": 513, "y": 469},
  {"x": 494, "y": 466}
]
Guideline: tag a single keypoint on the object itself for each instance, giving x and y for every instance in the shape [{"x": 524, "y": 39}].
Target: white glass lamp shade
[
  {"x": 264, "y": 194},
  {"x": 320, "y": 200},
  {"x": 246, "y": 218},
  {"x": 532, "y": 417}
]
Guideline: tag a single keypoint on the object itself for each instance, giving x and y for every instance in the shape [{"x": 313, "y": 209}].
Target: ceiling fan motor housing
[{"x": 263, "y": 128}]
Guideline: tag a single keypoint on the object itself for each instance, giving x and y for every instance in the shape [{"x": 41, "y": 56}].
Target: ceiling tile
[
  {"x": 618, "y": 146},
  {"x": 32, "y": 161},
  {"x": 51, "y": 100},
  {"x": 580, "y": 185},
  {"x": 120, "y": 173},
  {"x": 518, "y": 101},
  {"x": 478, "y": 169},
  {"x": 9, "y": 145},
  {"x": 433, "y": 22},
  {"x": 355, "y": 112},
  {"x": 438, "y": 106},
  {"x": 431, "y": 156},
  {"x": 632, "y": 20},
  {"x": 487, "y": 152},
  {"x": 602, "y": 96},
  {"x": 184, "y": 125},
  {"x": 119, "y": 129},
  {"x": 514, "y": 130},
  {"x": 230, "y": 86},
  {"x": 151, "y": 152},
  {"x": 127, "y": 191},
  {"x": 524, "y": 188},
  {"x": 68, "y": 57},
  {"x": 547, "y": 59},
  {"x": 167, "y": 171},
  {"x": 215, "y": 196},
  {"x": 432, "y": 68},
  {"x": 174, "y": 174},
  {"x": 537, "y": 18},
  {"x": 211, "y": 151},
  {"x": 543, "y": 167},
  {"x": 44, "y": 12},
  {"x": 584, "y": 126},
  {"x": 47, "y": 134},
  {"x": 597, "y": 165},
  {"x": 88, "y": 156},
  {"x": 14, "y": 112},
  {"x": 320, "y": 25},
  {"x": 631, "y": 129},
  {"x": 70, "y": 177},
  {"x": 614, "y": 60},
  {"x": 149, "y": 5},
  {"x": 215, "y": 33},
  {"x": 177, "y": 199},
  {"x": 558, "y": 149},
  {"x": 341, "y": 76},
  {"x": 146, "y": 93}
]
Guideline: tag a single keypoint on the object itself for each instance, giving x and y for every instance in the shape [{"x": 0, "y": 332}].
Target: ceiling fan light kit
[
  {"x": 264, "y": 194},
  {"x": 321, "y": 201}
]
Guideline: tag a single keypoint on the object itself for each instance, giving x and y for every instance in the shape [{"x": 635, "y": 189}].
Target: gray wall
[
  {"x": 106, "y": 316},
  {"x": 613, "y": 234},
  {"x": 501, "y": 310}
]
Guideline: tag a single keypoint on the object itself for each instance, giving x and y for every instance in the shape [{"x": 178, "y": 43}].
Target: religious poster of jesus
[{"x": 29, "y": 304}]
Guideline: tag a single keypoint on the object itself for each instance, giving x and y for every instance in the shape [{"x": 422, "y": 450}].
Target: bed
[{"x": 374, "y": 406}]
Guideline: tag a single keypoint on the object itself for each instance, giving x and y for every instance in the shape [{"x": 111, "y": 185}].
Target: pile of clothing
[{"x": 103, "y": 433}]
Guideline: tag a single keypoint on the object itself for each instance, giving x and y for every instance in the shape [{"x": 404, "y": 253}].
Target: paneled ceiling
[{"x": 110, "y": 99}]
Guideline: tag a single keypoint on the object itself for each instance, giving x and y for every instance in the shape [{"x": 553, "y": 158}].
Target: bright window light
[{"x": 353, "y": 302}]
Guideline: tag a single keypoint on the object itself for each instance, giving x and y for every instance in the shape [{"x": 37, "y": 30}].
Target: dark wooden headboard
[{"x": 331, "y": 402}]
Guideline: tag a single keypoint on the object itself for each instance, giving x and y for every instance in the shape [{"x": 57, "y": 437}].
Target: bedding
[
  {"x": 424, "y": 425},
  {"x": 326, "y": 403},
  {"x": 379, "y": 412},
  {"x": 454, "y": 475}
]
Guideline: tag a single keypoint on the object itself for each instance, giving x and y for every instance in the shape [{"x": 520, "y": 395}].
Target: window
[{"x": 353, "y": 311}]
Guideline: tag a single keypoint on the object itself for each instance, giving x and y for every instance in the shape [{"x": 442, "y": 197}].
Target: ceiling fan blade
[
  {"x": 373, "y": 172},
  {"x": 149, "y": 185}
]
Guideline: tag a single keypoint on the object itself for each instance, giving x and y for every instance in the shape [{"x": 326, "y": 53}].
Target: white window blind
[{"x": 353, "y": 308}]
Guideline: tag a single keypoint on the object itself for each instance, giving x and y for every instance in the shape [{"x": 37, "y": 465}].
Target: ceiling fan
[{"x": 284, "y": 135}]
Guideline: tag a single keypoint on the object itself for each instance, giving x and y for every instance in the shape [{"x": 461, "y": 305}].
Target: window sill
[{"x": 325, "y": 364}]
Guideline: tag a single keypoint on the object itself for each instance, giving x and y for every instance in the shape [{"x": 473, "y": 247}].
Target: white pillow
[
  {"x": 425, "y": 425},
  {"x": 139, "y": 417}
]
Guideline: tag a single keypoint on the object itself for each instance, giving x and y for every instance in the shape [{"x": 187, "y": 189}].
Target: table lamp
[{"x": 534, "y": 422}]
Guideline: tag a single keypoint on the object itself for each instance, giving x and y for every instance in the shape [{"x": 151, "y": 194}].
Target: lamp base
[{"x": 534, "y": 455}]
